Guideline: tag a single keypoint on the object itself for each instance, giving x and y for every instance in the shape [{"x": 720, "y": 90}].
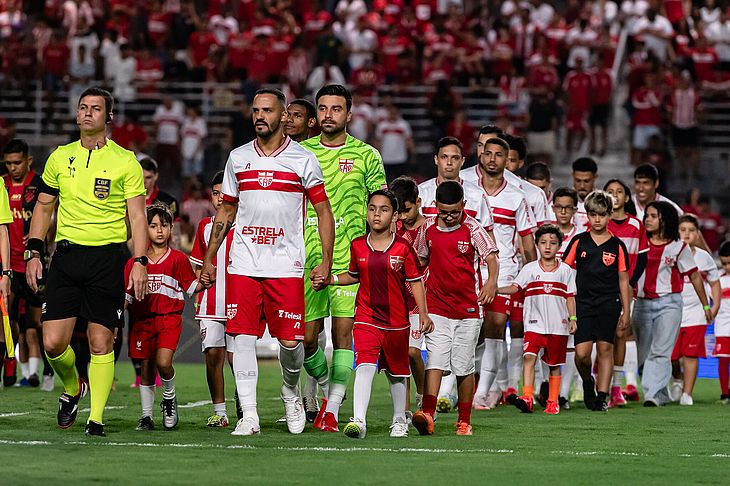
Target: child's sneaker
[
  {"x": 617, "y": 398},
  {"x": 463, "y": 428},
  {"x": 247, "y": 426},
  {"x": 423, "y": 423},
  {"x": 355, "y": 429},
  {"x": 217, "y": 421},
  {"x": 564, "y": 403},
  {"x": 724, "y": 400},
  {"x": 145, "y": 423},
  {"x": 508, "y": 397},
  {"x": 399, "y": 428},
  {"x": 493, "y": 398},
  {"x": 524, "y": 403},
  {"x": 552, "y": 408},
  {"x": 631, "y": 394},
  {"x": 675, "y": 390},
  {"x": 686, "y": 399}
]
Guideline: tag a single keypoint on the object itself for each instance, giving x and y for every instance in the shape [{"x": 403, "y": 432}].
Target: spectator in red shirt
[
  {"x": 577, "y": 87},
  {"x": 543, "y": 78},
  {"x": 119, "y": 22},
  {"x": 158, "y": 24},
  {"x": 502, "y": 53},
  {"x": 647, "y": 116},
  {"x": 199, "y": 45},
  {"x": 602, "y": 86},
  {"x": 367, "y": 78},
  {"x": 704, "y": 58},
  {"x": 461, "y": 129},
  {"x": 313, "y": 24},
  {"x": 472, "y": 54},
  {"x": 149, "y": 72},
  {"x": 129, "y": 133},
  {"x": 391, "y": 47},
  {"x": 56, "y": 56}
]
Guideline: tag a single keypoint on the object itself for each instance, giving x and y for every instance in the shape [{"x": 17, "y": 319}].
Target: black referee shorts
[
  {"x": 86, "y": 282},
  {"x": 597, "y": 322}
]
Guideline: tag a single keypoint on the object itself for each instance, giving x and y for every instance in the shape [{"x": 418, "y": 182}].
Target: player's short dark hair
[
  {"x": 280, "y": 96},
  {"x": 538, "y": 171},
  {"x": 485, "y": 129},
  {"x": 449, "y": 192},
  {"x": 725, "y": 249},
  {"x": 498, "y": 141},
  {"x": 405, "y": 190},
  {"x": 335, "y": 90},
  {"x": 669, "y": 217},
  {"x": 690, "y": 218},
  {"x": 385, "y": 193},
  {"x": 549, "y": 229},
  {"x": 599, "y": 202},
  {"x": 308, "y": 107},
  {"x": 16, "y": 146},
  {"x": 149, "y": 164},
  {"x": 585, "y": 164},
  {"x": 159, "y": 209},
  {"x": 647, "y": 171},
  {"x": 217, "y": 179},
  {"x": 516, "y": 143},
  {"x": 629, "y": 206},
  {"x": 96, "y": 91},
  {"x": 566, "y": 192},
  {"x": 446, "y": 141}
]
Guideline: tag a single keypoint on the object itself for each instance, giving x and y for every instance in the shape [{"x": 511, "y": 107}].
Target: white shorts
[
  {"x": 642, "y": 134},
  {"x": 213, "y": 334},
  {"x": 415, "y": 338},
  {"x": 451, "y": 345}
]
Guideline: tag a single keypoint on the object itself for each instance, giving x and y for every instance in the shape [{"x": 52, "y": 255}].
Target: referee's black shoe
[
  {"x": 94, "y": 428},
  {"x": 589, "y": 393},
  {"x": 68, "y": 406}
]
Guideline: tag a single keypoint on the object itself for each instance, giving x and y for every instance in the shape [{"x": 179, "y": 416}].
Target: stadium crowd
[{"x": 496, "y": 226}]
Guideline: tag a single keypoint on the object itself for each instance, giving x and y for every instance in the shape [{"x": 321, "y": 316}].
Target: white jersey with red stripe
[
  {"x": 567, "y": 236},
  {"x": 271, "y": 192},
  {"x": 580, "y": 218},
  {"x": 632, "y": 232},
  {"x": 535, "y": 197},
  {"x": 476, "y": 204},
  {"x": 722, "y": 320},
  {"x": 212, "y": 302},
  {"x": 546, "y": 293},
  {"x": 692, "y": 312},
  {"x": 666, "y": 265},
  {"x": 168, "y": 280},
  {"x": 512, "y": 219},
  {"x": 640, "y": 209}
]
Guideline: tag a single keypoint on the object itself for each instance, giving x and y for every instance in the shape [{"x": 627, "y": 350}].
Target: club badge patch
[
  {"x": 346, "y": 165},
  {"x": 266, "y": 179},
  {"x": 608, "y": 258},
  {"x": 154, "y": 283},
  {"x": 396, "y": 262},
  {"x": 102, "y": 188}
]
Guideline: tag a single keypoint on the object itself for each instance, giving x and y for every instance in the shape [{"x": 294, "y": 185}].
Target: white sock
[
  {"x": 325, "y": 386},
  {"x": 478, "y": 354},
  {"x": 514, "y": 363},
  {"x": 618, "y": 374},
  {"x": 147, "y": 397},
  {"x": 220, "y": 409},
  {"x": 398, "y": 394},
  {"x": 24, "y": 369},
  {"x": 448, "y": 383},
  {"x": 364, "y": 375},
  {"x": 33, "y": 364},
  {"x": 335, "y": 397},
  {"x": 500, "y": 382},
  {"x": 168, "y": 388},
  {"x": 568, "y": 372},
  {"x": 310, "y": 387},
  {"x": 322, "y": 340},
  {"x": 631, "y": 363},
  {"x": 291, "y": 360},
  {"x": 246, "y": 372},
  {"x": 490, "y": 363}
]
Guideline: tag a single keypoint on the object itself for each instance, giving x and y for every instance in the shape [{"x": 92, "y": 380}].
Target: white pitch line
[
  {"x": 13, "y": 414},
  {"x": 199, "y": 403},
  {"x": 108, "y": 407}
]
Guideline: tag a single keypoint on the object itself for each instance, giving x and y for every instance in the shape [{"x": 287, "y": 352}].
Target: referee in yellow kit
[{"x": 96, "y": 183}]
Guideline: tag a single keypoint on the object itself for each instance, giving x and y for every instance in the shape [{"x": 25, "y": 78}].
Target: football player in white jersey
[
  {"x": 266, "y": 185},
  {"x": 585, "y": 173}
]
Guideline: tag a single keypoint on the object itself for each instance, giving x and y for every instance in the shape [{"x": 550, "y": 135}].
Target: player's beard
[
  {"x": 271, "y": 130},
  {"x": 335, "y": 129}
]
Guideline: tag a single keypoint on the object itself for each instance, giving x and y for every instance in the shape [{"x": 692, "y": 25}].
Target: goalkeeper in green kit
[{"x": 352, "y": 169}]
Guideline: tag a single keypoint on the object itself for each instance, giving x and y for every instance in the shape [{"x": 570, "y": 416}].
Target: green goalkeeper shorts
[{"x": 335, "y": 301}]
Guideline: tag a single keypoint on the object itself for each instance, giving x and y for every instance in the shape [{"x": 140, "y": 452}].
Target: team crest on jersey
[
  {"x": 154, "y": 283},
  {"x": 29, "y": 194},
  {"x": 669, "y": 261},
  {"x": 396, "y": 262},
  {"x": 608, "y": 258},
  {"x": 548, "y": 288},
  {"x": 266, "y": 179},
  {"x": 102, "y": 188},
  {"x": 231, "y": 310},
  {"x": 463, "y": 246},
  {"x": 346, "y": 165}
]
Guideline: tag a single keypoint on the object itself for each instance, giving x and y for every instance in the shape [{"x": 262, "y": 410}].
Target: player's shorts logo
[
  {"x": 102, "y": 188},
  {"x": 548, "y": 288},
  {"x": 231, "y": 310},
  {"x": 266, "y": 179},
  {"x": 463, "y": 246},
  {"x": 608, "y": 258},
  {"x": 416, "y": 334},
  {"x": 346, "y": 165},
  {"x": 154, "y": 283},
  {"x": 203, "y": 333},
  {"x": 396, "y": 262},
  {"x": 138, "y": 345}
]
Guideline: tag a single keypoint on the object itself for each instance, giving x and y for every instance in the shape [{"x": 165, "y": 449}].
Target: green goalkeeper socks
[
  {"x": 65, "y": 367},
  {"x": 342, "y": 360},
  {"x": 316, "y": 365}
]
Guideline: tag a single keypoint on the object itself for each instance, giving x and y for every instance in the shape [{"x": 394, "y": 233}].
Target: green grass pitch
[{"x": 669, "y": 445}]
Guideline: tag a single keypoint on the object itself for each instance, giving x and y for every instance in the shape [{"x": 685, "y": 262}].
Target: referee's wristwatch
[
  {"x": 30, "y": 254},
  {"x": 143, "y": 260}
]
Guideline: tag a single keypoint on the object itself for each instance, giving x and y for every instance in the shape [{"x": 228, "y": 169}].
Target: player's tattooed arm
[
  {"x": 528, "y": 248},
  {"x": 222, "y": 224}
]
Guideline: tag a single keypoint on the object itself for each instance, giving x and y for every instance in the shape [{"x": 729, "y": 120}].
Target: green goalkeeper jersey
[{"x": 351, "y": 171}]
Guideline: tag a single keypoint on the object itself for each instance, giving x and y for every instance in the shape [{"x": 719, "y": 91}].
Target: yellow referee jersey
[
  {"x": 93, "y": 187},
  {"x": 6, "y": 216}
]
